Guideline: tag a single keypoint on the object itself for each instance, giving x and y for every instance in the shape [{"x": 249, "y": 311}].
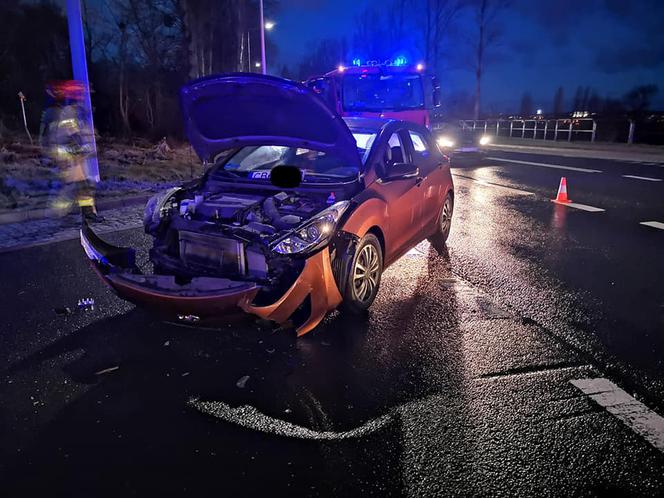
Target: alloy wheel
[
  {"x": 366, "y": 273},
  {"x": 446, "y": 216}
]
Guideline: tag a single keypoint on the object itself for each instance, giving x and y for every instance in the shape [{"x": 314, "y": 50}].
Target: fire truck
[{"x": 390, "y": 89}]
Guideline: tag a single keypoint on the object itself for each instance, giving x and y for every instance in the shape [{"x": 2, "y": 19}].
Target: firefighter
[{"x": 68, "y": 141}]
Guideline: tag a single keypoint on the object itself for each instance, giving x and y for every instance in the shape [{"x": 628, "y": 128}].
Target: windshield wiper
[
  {"x": 226, "y": 173},
  {"x": 328, "y": 178}
]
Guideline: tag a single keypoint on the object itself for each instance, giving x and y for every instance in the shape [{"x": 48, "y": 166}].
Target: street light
[{"x": 267, "y": 26}]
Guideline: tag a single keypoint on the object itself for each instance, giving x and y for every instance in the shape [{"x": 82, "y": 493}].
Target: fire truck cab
[{"x": 391, "y": 89}]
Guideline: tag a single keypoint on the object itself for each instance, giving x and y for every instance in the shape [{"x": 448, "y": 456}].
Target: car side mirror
[{"x": 401, "y": 171}]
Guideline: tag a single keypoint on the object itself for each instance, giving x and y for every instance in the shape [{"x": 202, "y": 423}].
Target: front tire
[
  {"x": 364, "y": 278},
  {"x": 444, "y": 223}
]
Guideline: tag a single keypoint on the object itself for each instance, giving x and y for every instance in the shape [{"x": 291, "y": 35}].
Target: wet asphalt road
[{"x": 457, "y": 382}]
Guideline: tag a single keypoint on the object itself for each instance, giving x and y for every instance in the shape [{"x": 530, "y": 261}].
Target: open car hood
[{"x": 234, "y": 110}]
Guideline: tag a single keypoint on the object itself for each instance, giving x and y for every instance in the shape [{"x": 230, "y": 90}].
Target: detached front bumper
[{"x": 212, "y": 298}]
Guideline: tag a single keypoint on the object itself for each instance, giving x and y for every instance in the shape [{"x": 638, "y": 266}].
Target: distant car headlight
[
  {"x": 314, "y": 233},
  {"x": 156, "y": 208},
  {"x": 445, "y": 141},
  {"x": 485, "y": 140}
]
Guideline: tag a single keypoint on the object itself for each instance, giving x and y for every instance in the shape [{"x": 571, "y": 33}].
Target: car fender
[{"x": 371, "y": 212}]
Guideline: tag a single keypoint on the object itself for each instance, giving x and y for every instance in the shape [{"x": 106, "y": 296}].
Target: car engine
[{"x": 228, "y": 234}]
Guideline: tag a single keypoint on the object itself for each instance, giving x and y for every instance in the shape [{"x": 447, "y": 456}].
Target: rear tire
[
  {"x": 364, "y": 278},
  {"x": 444, "y": 223}
]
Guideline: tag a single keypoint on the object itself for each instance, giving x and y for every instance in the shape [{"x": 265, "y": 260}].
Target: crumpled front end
[{"x": 299, "y": 297}]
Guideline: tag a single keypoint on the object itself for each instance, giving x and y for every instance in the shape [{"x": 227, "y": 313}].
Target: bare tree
[
  {"x": 559, "y": 102},
  {"x": 397, "y": 20},
  {"x": 155, "y": 30},
  {"x": 440, "y": 16},
  {"x": 487, "y": 14},
  {"x": 578, "y": 99},
  {"x": 526, "y": 110},
  {"x": 639, "y": 98},
  {"x": 327, "y": 54}
]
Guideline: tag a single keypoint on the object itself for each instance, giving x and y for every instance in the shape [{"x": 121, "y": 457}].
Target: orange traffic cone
[{"x": 562, "y": 192}]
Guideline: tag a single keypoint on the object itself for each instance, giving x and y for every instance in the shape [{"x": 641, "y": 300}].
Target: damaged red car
[{"x": 249, "y": 236}]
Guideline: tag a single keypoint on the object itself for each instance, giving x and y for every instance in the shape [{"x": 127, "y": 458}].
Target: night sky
[{"x": 610, "y": 45}]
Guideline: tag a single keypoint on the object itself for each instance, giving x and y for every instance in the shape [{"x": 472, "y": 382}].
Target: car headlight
[
  {"x": 485, "y": 140},
  {"x": 157, "y": 207},
  {"x": 445, "y": 141},
  {"x": 314, "y": 233}
]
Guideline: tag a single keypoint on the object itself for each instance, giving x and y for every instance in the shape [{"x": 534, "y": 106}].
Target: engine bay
[
  {"x": 229, "y": 234},
  {"x": 255, "y": 216}
]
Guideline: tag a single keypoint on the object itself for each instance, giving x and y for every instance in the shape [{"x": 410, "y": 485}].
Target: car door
[
  {"x": 431, "y": 186},
  {"x": 402, "y": 196}
]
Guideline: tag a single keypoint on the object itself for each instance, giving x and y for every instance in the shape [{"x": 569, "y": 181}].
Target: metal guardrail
[{"x": 542, "y": 129}]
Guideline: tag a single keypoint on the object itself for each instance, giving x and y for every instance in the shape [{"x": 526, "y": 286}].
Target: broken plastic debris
[
  {"x": 185, "y": 374},
  {"x": 86, "y": 304},
  {"x": 167, "y": 343},
  {"x": 107, "y": 370},
  {"x": 270, "y": 350},
  {"x": 242, "y": 381}
]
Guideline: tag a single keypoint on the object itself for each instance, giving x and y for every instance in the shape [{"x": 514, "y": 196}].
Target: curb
[
  {"x": 602, "y": 154},
  {"x": 40, "y": 214}
]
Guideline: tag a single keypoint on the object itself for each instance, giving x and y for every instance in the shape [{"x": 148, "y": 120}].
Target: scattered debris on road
[
  {"x": 242, "y": 382},
  {"x": 86, "y": 304},
  {"x": 107, "y": 370}
]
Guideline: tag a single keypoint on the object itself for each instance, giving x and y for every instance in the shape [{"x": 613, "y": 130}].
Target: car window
[
  {"x": 419, "y": 145},
  {"x": 394, "y": 152}
]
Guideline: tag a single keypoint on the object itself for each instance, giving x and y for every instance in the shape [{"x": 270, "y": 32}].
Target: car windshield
[
  {"x": 382, "y": 92},
  {"x": 255, "y": 162}
]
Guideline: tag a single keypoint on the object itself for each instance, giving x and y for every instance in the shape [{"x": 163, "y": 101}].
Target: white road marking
[
  {"x": 654, "y": 224},
  {"x": 250, "y": 418},
  {"x": 643, "y": 178},
  {"x": 545, "y": 165},
  {"x": 497, "y": 185},
  {"x": 659, "y": 165},
  {"x": 628, "y": 410},
  {"x": 582, "y": 207}
]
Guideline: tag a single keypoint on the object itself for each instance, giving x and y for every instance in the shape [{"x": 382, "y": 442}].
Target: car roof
[{"x": 373, "y": 124}]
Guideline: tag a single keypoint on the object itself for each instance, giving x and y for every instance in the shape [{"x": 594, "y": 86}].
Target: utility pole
[
  {"x": 250, "y": 64},
  {"x": 263, "y": 63},
  {"x": 80, "y": 66}
]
